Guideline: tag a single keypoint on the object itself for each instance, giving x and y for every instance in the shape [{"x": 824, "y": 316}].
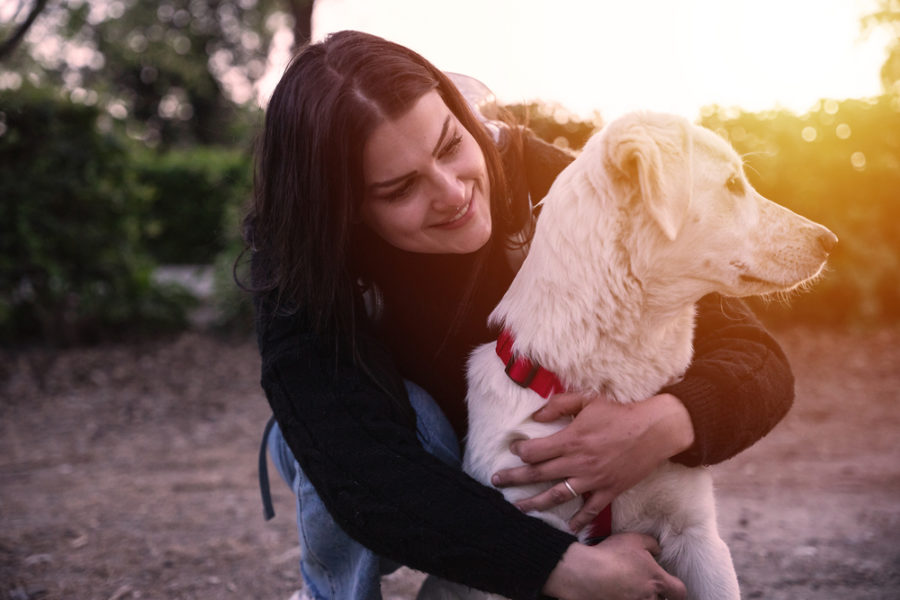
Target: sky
[{"x": 615, "y": 56}]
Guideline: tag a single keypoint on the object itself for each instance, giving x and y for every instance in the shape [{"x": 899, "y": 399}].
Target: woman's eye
[
  {"x": 735, "y": 185},
  {"x": 401, "y": 191},
  {"x": 452, "y": 146}
]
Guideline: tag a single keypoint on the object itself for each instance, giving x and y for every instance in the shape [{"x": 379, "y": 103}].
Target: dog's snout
[{"x": 827, "y": 240}]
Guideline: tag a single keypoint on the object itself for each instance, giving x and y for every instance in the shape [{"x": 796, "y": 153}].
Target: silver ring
[{"x": 569, "y": 487}]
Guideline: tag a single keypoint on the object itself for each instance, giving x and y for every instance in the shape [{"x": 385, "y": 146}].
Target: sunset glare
[{"x": 615, "y": 56}]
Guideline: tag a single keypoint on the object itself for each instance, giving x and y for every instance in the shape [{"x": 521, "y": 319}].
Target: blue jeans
[{"x": 333, "y": 565}]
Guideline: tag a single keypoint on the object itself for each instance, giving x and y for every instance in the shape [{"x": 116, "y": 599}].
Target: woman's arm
[
  {"x": 739, "y": 384},
  {"x": 360, "y": 451},
  {"x": 622, "y": 566}
]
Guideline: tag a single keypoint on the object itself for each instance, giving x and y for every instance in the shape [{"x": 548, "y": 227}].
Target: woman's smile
[
  {"x": 427, "y": 187},
  {"x": 459, "y": 219}
]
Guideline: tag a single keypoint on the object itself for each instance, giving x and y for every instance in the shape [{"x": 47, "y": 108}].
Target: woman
[{"x": 387, "y": 222}]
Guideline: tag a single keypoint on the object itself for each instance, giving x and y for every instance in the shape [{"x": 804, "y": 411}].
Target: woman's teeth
[{"x": 460, "y": 213}]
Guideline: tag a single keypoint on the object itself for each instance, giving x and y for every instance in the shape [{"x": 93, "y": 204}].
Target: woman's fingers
[
  {"x": 559, "y": 493},
  {"x": 593, "y": 506},
  {"x": 672, "y": 587},
  {"x": 537, "y": 450},
  {"x": 556, "y": 494},
  {"x": 560, "y": 405},
  {"x": 553, "y": 496},
  {"x": 549, "y": 470},
  {"x": 622, "y": 566},
  {"x": 649, "y": 543}
]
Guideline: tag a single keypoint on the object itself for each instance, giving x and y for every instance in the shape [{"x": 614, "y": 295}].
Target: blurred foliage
[
  {"x": 133, "y": 153},
  {"x": 86, "y": 217},
  {"x": 19, "y": 22},
  {"x": 71, "y": 264},
  {"x": 838, "y": 165},
  {"x": 886, "y": 15},
  {"x": 232, "y": 304},
  {"x": 555, "y": 124},
  {"x": 193, "y": 216},
  {"x": 173, "y": 72},
  {"x": 191, "y": 194}
]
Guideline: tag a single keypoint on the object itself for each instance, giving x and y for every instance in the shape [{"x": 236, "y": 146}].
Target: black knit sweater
[{"x": 358, "y": 446}]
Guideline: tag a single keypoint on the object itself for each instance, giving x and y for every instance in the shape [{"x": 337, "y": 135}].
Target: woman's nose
[{"x": 449, "y": 191}]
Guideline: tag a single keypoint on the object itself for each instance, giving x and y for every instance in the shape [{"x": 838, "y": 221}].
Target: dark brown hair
[{"x": 308, "y": 182}]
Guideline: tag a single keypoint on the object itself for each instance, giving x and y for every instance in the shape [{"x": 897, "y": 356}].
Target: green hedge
[
  {"x": 198, "y": 197},
  {"x": 72, "y": 267},
  {"x": 188, "y": 218}
]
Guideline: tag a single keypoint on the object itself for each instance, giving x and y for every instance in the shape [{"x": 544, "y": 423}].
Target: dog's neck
[{"x": 577, "y": 308}]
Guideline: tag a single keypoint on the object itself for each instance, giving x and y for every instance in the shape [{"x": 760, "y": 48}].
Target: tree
[
  {"x": 174, "y": 71},
  {"x": 301, "y": 11},
  {"x": 887, "y": 15},
  {"x": 72, "y": 268},
  {"x": 18, "y": 31},
  {"x": 555, "y": 124}
]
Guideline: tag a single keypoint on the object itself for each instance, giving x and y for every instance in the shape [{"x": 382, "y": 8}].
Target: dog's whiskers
[{"x": 746, "y": 163}]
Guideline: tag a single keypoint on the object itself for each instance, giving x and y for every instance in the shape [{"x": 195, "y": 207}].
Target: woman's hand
[
  {"x": 620, "y": 568},
  {"x": 606, "y": 449}
]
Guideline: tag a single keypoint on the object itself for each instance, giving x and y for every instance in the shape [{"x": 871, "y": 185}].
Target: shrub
[
  {"x": 231, "y": 303},
  {"x": 184, "y": 219},
  {"x": 71, "y": 265}
]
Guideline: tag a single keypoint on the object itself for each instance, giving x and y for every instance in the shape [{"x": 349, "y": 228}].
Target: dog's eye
[{"x": 735, "y": 185}]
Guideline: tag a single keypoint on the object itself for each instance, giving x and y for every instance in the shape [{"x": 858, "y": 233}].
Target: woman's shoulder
[
  {"x": 542, "y": 162},
  {"x": 530, "y": 159}
]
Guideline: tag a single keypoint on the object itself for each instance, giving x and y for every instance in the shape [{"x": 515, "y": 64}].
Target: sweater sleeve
[
  {"x": 738, "y": 386},
  {"x": 362, "y": 456}
]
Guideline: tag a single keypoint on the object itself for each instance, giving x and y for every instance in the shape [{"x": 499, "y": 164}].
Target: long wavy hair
[{"x": 308, "y": 184}]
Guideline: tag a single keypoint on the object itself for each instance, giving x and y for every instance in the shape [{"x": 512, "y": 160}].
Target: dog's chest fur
[{"x": 577, "y": 309}]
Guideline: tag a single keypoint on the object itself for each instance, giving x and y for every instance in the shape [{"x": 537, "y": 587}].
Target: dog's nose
[{"x": 828, "y": 241}]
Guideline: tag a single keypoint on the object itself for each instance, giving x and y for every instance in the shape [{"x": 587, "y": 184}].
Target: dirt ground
[{"x": 129, "y": 471}]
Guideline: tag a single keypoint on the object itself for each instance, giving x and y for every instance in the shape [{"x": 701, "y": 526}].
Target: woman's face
[{"x": 426, "y": 183}]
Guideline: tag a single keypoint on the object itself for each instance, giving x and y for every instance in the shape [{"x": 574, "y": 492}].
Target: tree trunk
[
  {"x": 8, "y": 45},
  {"x": 301, "y": 10}
]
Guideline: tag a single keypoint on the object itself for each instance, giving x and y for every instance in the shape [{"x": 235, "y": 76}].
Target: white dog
[{"x": 653, "y": 214}]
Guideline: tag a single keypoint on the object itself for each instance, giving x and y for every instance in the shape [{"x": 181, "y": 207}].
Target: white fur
[{"x": 636, "y": 230}]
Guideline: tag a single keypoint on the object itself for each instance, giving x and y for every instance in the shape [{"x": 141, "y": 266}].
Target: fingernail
[
  {"x": 495, "y": 480},
  {"x": 514, "y": 448}
]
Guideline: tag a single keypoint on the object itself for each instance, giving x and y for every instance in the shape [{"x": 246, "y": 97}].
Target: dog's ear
[{"x": 653, "y": 152}]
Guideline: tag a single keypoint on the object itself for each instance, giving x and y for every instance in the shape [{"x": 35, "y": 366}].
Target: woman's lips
[{"x": 460, "y": 218}]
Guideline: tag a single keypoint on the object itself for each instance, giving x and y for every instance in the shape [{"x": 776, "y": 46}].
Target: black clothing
[{"x": 356, "y": 440}]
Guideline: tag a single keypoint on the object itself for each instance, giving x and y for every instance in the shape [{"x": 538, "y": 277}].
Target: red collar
[
  {"x": 524, "y": 371},
  {"x": 532, "y": 375}
]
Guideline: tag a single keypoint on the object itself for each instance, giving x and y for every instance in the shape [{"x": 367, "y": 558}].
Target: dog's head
[{"x": 696, "y": 225}]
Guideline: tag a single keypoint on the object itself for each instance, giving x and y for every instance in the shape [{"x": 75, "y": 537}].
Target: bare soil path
[{"x": 129, "y": 471}]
